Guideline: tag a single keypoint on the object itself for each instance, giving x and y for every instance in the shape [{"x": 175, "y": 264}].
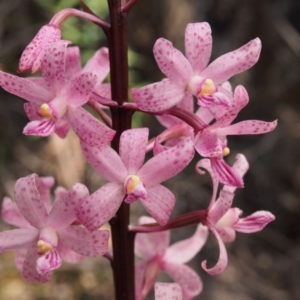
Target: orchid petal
[
  {"x": 48, "y": 262},
  {"x": 25, "y": 88},
  {"x": 133, "y": 144},
  {"x": 54, "y": 64},
  {"x": 44, "y": 127},
  {"x": 167, "y": 163},
  {"x": 233, "y": 62},
  {"x": 11, "y": 214},
  {"x": 208, "y": 144},
  {"x": 158, "y": 96},
  {"x": 167, "y": 291},
  {"x": 80, "y": 88},
  {"x": 198, "y": 44},
  {"x": 227, "y": 234},
  {"x": 240, "y": 166},
  {"x": 147, "y": 245},
  {"x": 101, "y": 206},
  {"x": 32, "y": 55},
  {"x": 186, "y": 277},
  {"x": 220, "y": 207},
  {"x": 139, "y": 277},
  {"x": 172, "y": 62},
  {"x": 89, "y": 129},
  {"x": 205, "y": 164},
  {"x": 99, "y": 64},
  {"x": 17, "y": 238},
  {"x": 69, "y": 255},
  {"x": 31, "y": 110},
  {"x": 255, "y": 222},
  {"x": 159, "y": 203},
  {"x": 223, "y": 259},
  {"x": 29, "y": 201},
  {"x": 44, "y": 184},
  {"x": 183, "y": 251},
  {"x": 29, "y": 271},
  {"x": 102, "y": 89},
  {"x": 20, "y": 258},
  {"x": 62, "y": 127},
  {"x": 106, "y": 162},
  {"x": 84, "y": 242},
  {"x": 205, "y": 115},
  {"x": 247, "y": 127},
  {"x": 63, "y": 211},
  {"x": 73, "y": 63},
  {"x": 240, "y": 100},
  {"x": 225, "y": 173}
]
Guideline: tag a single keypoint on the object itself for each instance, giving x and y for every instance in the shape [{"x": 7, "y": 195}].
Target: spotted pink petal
[
  {"x": 17, "y": 238},
  {"x": 25, "y": 88},
  {"x": 167, "y": 163},
  {"x": 220, "y": 207},
  {"x": 54, "y": 65},
  {"x": 84, "y": 242},
  {"x": 80, "y": 88},
  {"x": 101, "y": 206},
  {"x": 73, "y": 63},
  {"x": 240, "y": 100},
  {"x": 233, "y": 62},
  {"x": 11, "y": 214},
  {"x": 106, "y": 162},
  {"x": 29, "y": 271},
  {"x": 222, "y": 260},
  {"x": 247, "y": 127},
  {"x": 240, "y": 166},
  {"x": 159, "y": 203},
  {"x": 198, "y": 44},
  {"x": 225, "y": 174},
  {"x": 99, "y": 64},
  {"x": 172, "y": 62},
  {"x": 133, "y": 144},
  {"x": 158, "y": 96},
  {"x": 255, "y": 222},
  {"x": 69, "y": 255},
  {"x": 89, "y": 129},
  {"x": 44, "y": 185},
  {"x": 33, "y": 53},
  {"x": 63, "y": 211},
  {"x": 48, "y": 262},
  {"x": 205, "y": 164},
  {"x": 167, "y": 291},
  {"x": 29, "y": 201},
  {"x": 31, "y": 110},
  {"x": 44, "y": 127},
  {"x": 227, "y": 234},
  {"x": 19, "y": 259},
  {"x": 147, "y": 245},
  {"x": 183, "y": 251},
  {"x": 187, "y": 278},
  {"x": 208, "y": 144},
  {"x": 102, "y": 89}
]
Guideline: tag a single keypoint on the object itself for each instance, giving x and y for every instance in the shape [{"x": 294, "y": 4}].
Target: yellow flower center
[
  {"x": 133, "y": 182},
  {"x": 43, "y": 247},
  {"x": 45, "y": 111},
  {"x": 226, "y": 151},
  {"x": 208, "y": 87}
]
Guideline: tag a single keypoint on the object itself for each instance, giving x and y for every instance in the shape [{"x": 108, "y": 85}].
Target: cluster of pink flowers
[{"x": 68, "y": 229}]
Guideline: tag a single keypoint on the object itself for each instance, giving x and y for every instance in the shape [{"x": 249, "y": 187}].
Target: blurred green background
[{"x": 261, "y": 266}]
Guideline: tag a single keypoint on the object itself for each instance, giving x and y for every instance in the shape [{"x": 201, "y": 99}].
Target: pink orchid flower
[
  {"x": 167, "y": 291},
  {"x": 46, "y": 235},
  {"x": 191, "y": 74},
  {"x": 211, "y": 141},
  {"x": 223, "y": 220},
  {"x": 129, "y": 178},
  {"x": 55, "y": 100},
  {"x": 158, "y": 257}
]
